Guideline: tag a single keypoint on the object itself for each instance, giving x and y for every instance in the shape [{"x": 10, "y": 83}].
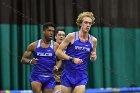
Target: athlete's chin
[
  {"x": 48, "y": 39},
  {"x": 86, "y": 31},
  {"x": 60, "y": 40}
]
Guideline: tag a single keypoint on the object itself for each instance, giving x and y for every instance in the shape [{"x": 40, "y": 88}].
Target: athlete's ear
[{"x": 55, "y": 37}]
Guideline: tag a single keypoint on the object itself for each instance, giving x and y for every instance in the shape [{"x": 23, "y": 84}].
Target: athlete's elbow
[{"x": 23, "y": 60}]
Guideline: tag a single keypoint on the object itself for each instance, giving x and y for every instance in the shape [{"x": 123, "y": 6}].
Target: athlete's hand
[
  {"x": 93, "y": 56},
  {"x": 55, "y": 68},
  {"x": 33, "y": 61},
  {"x": 77, "y": 61}
]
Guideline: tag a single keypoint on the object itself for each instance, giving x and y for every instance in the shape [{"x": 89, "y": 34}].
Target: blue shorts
[
  {"x": 47, "y": 82},
  {"x": 69, "y": 80}
]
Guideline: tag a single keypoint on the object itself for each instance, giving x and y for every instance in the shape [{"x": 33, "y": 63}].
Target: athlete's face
[
  {"x": 86, "y": 24},
  {"x": 48, "y": 33},
  {"x": 60, "y": 37}
]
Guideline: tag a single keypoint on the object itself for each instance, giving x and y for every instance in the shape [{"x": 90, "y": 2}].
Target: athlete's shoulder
[
  {"x": 32, "y": 46},
  {"x": 94, "y": 39},
  {"x": 71, "y": 35}
]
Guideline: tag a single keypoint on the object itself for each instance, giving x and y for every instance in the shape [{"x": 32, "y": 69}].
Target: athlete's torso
[
  {"x": 46, "y": 60},
  {"x": 80, "y": 50}
]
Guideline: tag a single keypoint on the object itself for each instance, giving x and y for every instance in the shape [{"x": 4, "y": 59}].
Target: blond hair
[{"x": 84, "y": 14}]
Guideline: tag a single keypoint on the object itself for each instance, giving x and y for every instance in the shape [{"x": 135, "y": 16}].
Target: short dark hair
[
  {"x": 46, "y": 25},
  {"x": 57, "y": 30}
]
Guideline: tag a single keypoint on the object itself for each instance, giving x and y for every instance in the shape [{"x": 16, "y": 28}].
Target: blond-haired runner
[{"x": 81, "y": 46}]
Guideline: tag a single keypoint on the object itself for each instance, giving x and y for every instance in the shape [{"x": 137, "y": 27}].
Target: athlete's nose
[{"x": 51, "y": 33}]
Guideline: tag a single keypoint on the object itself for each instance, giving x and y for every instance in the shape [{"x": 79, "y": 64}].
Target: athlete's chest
[
  {"x": 44, "y": 52},
  {"x": 82, "y": 46}
]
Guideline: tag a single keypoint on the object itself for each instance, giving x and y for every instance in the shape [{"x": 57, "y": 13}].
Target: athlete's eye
[{"x": 51, "y": 30}]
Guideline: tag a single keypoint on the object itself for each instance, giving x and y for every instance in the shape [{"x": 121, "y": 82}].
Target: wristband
[
  {"x": 71, "y": 59},
  {"x": 30, "y": 61}
]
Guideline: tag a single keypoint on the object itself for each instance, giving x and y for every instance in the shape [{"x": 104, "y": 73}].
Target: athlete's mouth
[
  {"x": 87, "y": 28},
  {"x": 51, "y": 36}
]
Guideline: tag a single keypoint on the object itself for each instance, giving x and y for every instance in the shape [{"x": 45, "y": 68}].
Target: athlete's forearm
[
  {"x": 61, "y": 55},
  {"x": 25, "y": 61},
  {"x": 59, "y": 63}
]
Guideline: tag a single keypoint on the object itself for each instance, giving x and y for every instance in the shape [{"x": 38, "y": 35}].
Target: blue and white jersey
[
  {"x": 80, "y": 50},
  {"x": 46, "y": 60}
]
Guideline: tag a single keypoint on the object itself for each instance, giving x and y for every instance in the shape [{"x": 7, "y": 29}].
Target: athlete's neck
[
  {"x": 83, "y": 35},
  {"x": 46, "y": 41}
]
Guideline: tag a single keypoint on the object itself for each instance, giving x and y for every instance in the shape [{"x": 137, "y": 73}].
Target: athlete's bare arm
[
  {"x": 25, "y": 58},
  {"x": 68, "y": 40},
  {"x": 58, "y": 65},
  {"x": 93, "y": 55},
  {"x": 56, "y": 45}
]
